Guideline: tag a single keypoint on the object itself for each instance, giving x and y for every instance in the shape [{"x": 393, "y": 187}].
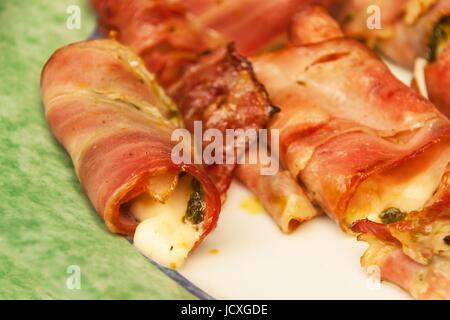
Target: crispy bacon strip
[
  {"x": 222, "y": 92},
  {"x": 116, "y": 123}
]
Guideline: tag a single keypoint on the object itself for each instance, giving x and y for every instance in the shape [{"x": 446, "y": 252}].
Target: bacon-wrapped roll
[
  {"x": 116, "y": 123},
  {"x": 364, "y": 145}
]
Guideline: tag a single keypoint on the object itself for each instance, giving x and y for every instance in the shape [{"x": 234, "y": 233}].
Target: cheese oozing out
[
  {"x": 407, "y": 187},
  {"x": 163, "y": 234}
]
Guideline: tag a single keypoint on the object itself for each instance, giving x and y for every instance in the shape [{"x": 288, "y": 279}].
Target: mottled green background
[{"x": 46, "y": 222}]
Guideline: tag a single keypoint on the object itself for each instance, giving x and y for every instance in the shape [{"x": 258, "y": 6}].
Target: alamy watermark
[
  {"x": 374, "y": 20},
  {"x": 73, "y": 21},
  {"x": 73, "y": 281}
]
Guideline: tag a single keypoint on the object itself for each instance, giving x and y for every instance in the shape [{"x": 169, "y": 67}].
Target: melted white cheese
[
  {"x": 407, "y": 188},
  {"x": 162, "y": 235}
]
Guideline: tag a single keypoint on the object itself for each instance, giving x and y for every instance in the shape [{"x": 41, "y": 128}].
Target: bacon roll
[
  {"x": 116, "y": 123},
  {"x": 362, "y": 145}
]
